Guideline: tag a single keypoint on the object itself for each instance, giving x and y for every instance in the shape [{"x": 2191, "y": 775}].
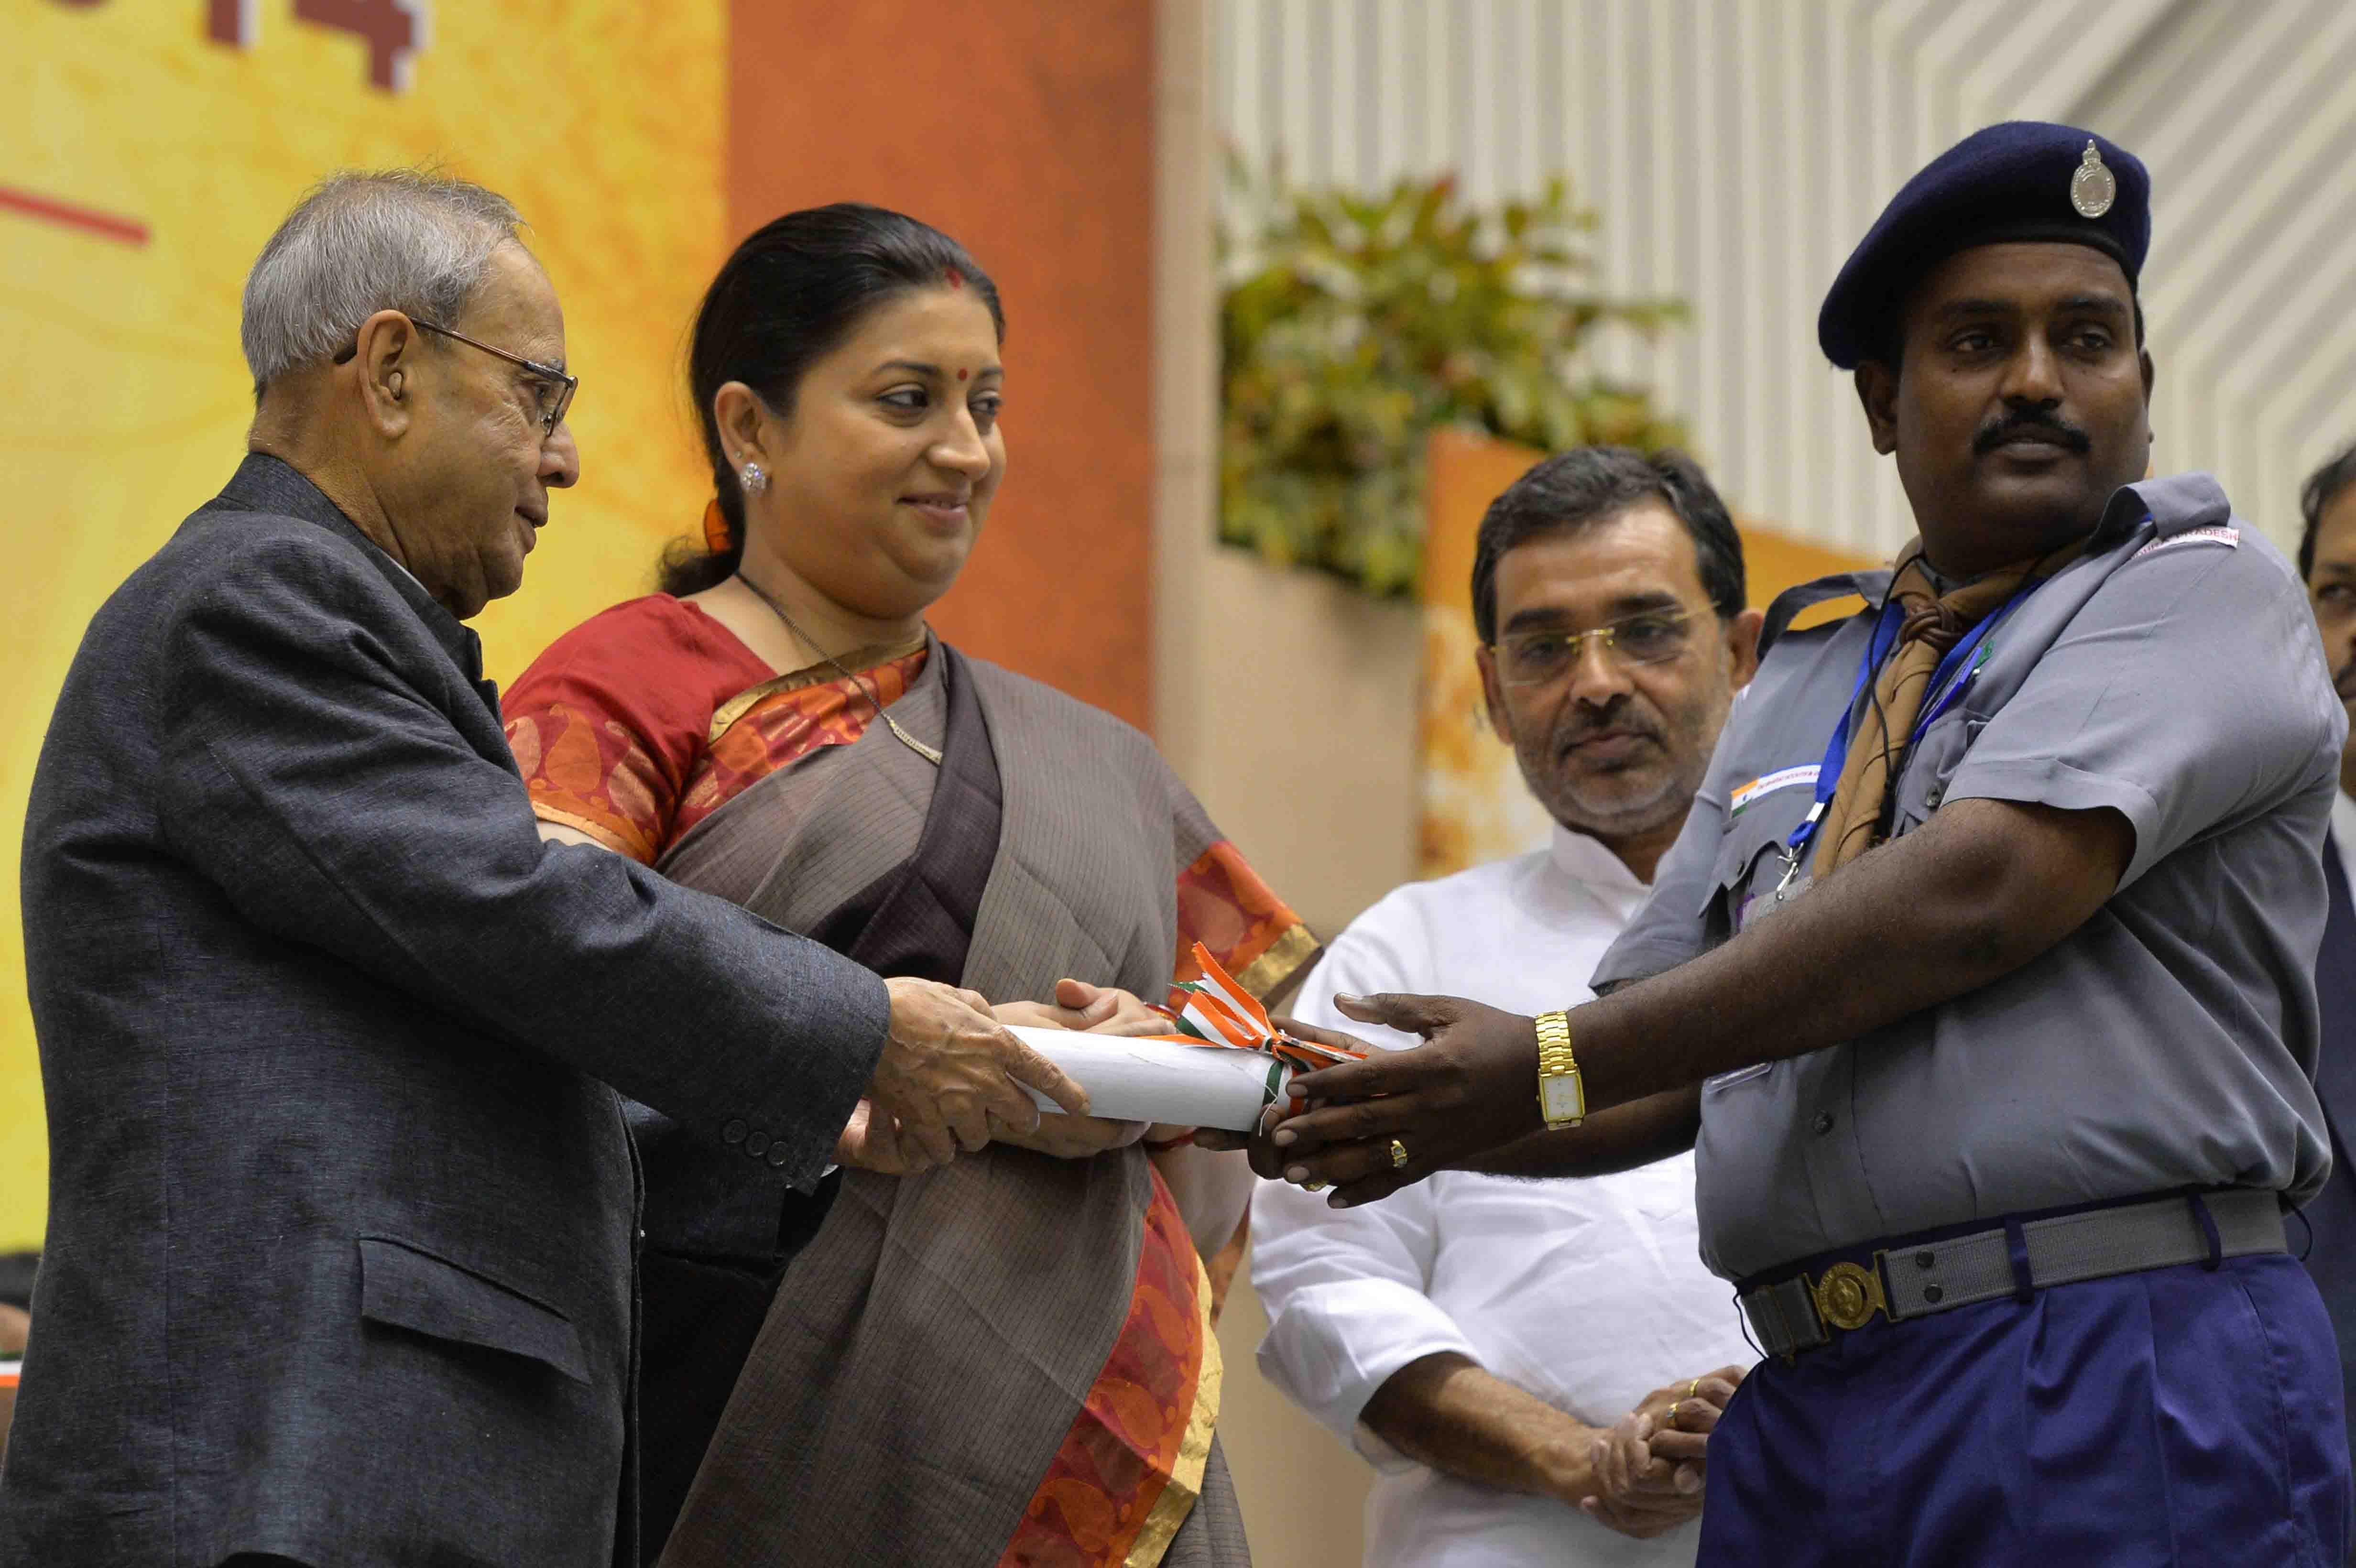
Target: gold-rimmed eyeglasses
[
  {"x": 1534, "y": 658},
  {"x": 552, "y": 390}
]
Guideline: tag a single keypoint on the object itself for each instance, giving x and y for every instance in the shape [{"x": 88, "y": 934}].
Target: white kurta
[{"x": 1589, "y": 1294}]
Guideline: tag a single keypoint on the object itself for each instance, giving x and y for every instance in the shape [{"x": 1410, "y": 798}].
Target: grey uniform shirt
[{"x": 2173, "y": 674}]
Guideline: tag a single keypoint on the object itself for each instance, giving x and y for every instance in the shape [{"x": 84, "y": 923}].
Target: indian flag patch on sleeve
[{"x": 1768, "y": 783}]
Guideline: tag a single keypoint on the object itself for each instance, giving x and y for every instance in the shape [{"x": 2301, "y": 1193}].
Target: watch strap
[{"x": 1556, "y": 1063}]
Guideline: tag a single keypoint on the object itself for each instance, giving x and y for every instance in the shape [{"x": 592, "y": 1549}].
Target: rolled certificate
[{"x": 1131, "y": 1080}]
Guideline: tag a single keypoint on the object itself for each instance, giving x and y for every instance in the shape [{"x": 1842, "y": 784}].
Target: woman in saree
[{"x": 1007, "y": 1360}]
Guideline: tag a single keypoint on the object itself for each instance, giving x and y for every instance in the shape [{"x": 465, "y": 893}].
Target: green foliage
[{"x": 1351, "y": 327}]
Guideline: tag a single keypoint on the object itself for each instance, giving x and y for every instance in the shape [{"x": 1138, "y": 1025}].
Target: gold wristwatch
[{"x": 1562, "y": 1099}]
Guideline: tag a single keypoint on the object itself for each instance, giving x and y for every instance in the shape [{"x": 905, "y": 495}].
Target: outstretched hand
[
  {"x": 1085, "y": 1008},
  {"x": 950, "y": 1073},
  {"x": 1470, "y": 1087},
  {"x": 1266, "y": 1159}
]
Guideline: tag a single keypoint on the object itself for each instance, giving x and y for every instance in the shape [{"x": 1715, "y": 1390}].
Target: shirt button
[
  {"x": 1925, "y": 1258},
  {"x": 734, "y": 1132},
  {"x": 778, "y": 1155},
  {"x": 1823, "y": 1123},
  {"x": 1931, "y": 796},
  {"x": 756, "y": 1143},
  {"x": 1933, "y": 1294}
]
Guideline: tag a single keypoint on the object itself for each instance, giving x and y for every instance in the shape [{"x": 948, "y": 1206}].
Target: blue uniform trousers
[{"x": 2178, "y": 1416}]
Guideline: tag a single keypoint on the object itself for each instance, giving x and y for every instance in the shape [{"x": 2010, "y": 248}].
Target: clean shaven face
[
  {"x": 889, "y": 459},
  {"x": 469, "y": 489}
]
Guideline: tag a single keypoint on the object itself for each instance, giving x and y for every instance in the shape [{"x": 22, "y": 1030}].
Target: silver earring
[{"x": 755, "y": 480}]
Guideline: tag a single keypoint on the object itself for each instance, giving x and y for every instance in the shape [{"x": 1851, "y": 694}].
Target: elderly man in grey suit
[{"x": 340, "y": 1257}]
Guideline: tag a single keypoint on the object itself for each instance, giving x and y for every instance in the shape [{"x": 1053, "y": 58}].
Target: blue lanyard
[{"x": 1945, "y": 690}]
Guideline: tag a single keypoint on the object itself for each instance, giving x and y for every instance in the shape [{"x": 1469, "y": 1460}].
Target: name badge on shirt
[
  {"x": 1739, "y": 1075},
  {"x": 1768, "y": 783}
]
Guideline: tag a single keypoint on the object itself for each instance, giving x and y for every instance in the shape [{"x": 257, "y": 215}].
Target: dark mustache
[
  {"x": 1580, "y": 725},
  {"x": 2027, "y": 422}
]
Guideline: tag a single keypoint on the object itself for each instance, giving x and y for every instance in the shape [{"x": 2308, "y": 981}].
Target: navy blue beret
[{"x": 2024, "y": 179}]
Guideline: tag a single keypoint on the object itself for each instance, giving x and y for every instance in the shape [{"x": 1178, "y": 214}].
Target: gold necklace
[{"x": 858, "y": 681}]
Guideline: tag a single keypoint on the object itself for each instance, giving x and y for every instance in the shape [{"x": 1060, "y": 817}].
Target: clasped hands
[
  {"x": 1471, "y": 1087},
  {"x": 951, "y": 1078},
  {"x": 1645, "y": 1472}
]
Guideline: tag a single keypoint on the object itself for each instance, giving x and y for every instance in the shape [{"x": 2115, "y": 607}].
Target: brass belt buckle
[{"x": 1849, "y": 1294}]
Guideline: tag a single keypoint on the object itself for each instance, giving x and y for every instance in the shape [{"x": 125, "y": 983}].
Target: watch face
[{"x": 1559, "y": 1098}]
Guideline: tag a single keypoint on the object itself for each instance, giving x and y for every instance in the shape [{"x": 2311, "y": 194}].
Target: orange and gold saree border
[
  {"x": 589, "y": 776},
  {"x": 623, "y": 838},
  {"x": 1131, "y": 1468},
  {"x": 1184, "y": 1488},
  {"x": 863, "y": 661},
  {"x": 1275, "y": 972},
  {"x": 1223, "y": 903}
]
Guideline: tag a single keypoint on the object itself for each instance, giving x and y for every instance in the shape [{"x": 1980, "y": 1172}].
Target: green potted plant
[{"x": 1352, "y": 325}]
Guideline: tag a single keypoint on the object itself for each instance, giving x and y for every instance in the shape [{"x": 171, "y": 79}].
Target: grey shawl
[{"x": 929, "y": 1349}]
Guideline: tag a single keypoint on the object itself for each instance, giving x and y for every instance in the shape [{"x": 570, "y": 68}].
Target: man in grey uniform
[{"x": 1981, "y": 974}]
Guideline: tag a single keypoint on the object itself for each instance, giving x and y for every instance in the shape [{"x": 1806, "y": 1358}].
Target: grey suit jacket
[{"x": 341, "y": 1233}]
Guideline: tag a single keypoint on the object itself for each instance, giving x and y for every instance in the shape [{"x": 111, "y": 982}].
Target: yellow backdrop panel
[{"x": 151, "y": 147}]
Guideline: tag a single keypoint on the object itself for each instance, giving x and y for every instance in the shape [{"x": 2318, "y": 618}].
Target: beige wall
[
  {"x": 1288, "y": 703},
  {"x": 1286, "y": 699},
  {"x": 1303, "y": 1494}
]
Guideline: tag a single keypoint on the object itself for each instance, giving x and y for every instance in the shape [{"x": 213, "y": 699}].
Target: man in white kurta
[{"x": 1477, "y": 1338}]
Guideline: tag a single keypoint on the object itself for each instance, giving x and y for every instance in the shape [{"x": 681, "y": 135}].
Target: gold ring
[
  {"x": 1693, "y": 1389},
  {"x": 1312, "y": 1187},
  {"x": 1398, "y": 1155}
]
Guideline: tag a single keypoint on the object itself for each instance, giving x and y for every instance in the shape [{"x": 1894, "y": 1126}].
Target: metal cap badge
[{"x": 2092, "y": 186}]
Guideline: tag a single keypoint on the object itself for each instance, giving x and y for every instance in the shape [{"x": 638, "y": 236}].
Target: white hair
[{"x": 364, "y": 241}]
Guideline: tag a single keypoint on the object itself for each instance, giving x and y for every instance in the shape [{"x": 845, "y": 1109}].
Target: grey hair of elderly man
[
  {"x": 359, "y": 243},
  {"x": 407, "y": 353}
]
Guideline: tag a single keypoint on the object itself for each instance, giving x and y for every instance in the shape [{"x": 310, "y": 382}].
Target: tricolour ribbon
[{"x": 1215, "y": 1010}]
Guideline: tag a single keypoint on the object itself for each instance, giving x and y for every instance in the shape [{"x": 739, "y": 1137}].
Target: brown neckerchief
[{"x": 1934, "y": 623}]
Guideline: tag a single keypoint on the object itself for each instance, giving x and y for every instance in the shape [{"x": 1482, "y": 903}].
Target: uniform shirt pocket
[
  {"x": 1750, "y": 857},
  {"x": 1930, "y": 762},
  {"x": 404, "y": 1286}
]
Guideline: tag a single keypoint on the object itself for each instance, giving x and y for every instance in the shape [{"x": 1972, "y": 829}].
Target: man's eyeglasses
[
  {"x": 551, "y": 389},
  {"x": 1534, "y": 658}
]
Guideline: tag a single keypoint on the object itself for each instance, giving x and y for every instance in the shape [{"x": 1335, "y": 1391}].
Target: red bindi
[
  {"x": 962, "y": 374},
  {"x": 956, "y": 279}
]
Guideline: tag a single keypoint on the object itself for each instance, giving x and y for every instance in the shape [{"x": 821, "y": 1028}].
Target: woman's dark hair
[
  {"x": 793, "y": 291},
  {"x": 1591, "y": 485}
]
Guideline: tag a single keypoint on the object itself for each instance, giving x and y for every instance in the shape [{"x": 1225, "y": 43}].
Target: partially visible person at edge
[
  {"x": 15, "y": 1323},
  {"x": 778, "y": 727},
  {"x": 1484, "y": 1340},
  {"x": 340, "y": 1253},
  {"x": 2327, "y": 561},
  {"x": 2002, "y": 1063}
]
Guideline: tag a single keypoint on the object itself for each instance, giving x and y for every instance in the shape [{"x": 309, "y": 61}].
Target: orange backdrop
[{"x": 1026, "y": 132}]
